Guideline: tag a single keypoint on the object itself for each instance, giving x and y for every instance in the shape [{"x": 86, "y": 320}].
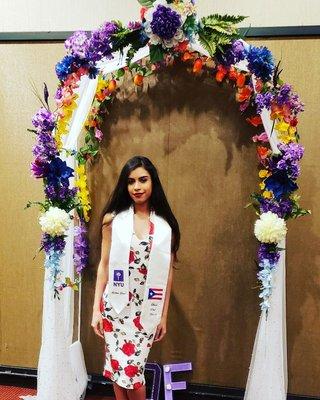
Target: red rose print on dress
[
  {"x": 131, "y": 256},
  {"x": 131, "y": 370},
  {"x": 143, "y": 270},
  {"x": 137, "y": 323},
  {"x": 107, "y": 325},
  {"x": 101, "y": 305},
  {"x": 115, "y": 364},
  {"x": 130, "y": 296},
  {"x": 107, "y": 374},
  {"x": 137, "y": 385},
  {"x": 151, "y": 228},
  {"x": 128, "y": 348}
]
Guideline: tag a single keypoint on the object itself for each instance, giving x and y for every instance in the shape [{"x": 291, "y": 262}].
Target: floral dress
[{"x": 127, "y": 344}]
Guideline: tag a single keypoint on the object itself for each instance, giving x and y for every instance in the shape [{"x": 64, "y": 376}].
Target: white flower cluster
[
  {"x": 55, "y": 221},
  {"x": 270, "y": 228}
]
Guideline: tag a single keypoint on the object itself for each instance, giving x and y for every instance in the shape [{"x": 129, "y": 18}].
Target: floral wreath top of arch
[{"x": 168, "y": 31}]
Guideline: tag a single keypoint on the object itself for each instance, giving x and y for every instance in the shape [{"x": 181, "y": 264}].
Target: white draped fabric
[
  {"x": 58, "y": 377},
  {"x": 268, "y": 378}
]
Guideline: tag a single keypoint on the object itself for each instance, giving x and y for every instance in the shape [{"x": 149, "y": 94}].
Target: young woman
[{"x": 140, "y": 240}]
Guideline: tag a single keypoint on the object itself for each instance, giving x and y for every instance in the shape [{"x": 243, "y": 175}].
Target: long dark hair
[{"x": 120, "y": 199}]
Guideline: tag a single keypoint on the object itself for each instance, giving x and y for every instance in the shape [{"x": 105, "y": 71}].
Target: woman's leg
[
  {"x": 120, "y": 392},
  {"x": 137, "y": 394}
]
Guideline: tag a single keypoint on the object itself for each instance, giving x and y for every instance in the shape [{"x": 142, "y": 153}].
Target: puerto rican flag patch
[{"x": 155, "y": 294}]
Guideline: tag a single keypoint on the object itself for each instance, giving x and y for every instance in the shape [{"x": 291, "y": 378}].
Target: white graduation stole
[{"x": 158, "y": 267}]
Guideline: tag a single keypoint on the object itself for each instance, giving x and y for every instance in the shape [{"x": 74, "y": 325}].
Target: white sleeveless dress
[{"x": 127, "y": 344}]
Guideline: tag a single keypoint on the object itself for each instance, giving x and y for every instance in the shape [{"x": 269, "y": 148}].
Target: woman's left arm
[{"x": 162, "y": 327}]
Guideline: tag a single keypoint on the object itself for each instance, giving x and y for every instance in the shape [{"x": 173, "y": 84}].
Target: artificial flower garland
[{"x": 169, "y": 28}]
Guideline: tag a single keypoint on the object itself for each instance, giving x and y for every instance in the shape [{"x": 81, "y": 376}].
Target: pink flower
[{"x": 98, "y": 134}]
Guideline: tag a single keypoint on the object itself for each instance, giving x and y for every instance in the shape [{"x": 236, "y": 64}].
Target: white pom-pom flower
[
  {"x": 270, "y": 228},
  {"x": 55, "y": 221}
]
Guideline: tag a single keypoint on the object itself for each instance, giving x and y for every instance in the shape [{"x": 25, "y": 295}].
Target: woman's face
[{"x": 139, "y": 185}]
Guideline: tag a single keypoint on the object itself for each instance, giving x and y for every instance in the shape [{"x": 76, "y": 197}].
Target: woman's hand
[
  {"x": 161, "y": 329},
  {"x": 97, "y": 323}
]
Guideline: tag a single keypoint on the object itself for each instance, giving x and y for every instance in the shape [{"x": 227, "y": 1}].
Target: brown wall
[{"x": 192, "y": 130}]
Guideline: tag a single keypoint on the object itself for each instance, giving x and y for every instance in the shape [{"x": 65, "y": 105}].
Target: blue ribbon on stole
[{"x": 158, "y": 267}]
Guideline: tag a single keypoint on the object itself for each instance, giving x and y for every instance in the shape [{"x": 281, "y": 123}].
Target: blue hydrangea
[{"x": 260, "y": 62}]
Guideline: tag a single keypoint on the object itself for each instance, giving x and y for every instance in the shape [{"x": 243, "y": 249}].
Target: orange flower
[
  {"x": 112, "y": 85},
  {"x": 186, "y": 56},
  {"x": 233, "y": 74},
  {"x": 143, "y": 11},
  {"x": 278, "y": 111},
  {"x": 138, "y": 80},
  {"x": 243, "y": 93},
  {"x": 197, "y": 66},
  {"x": 182, "y": 46},
  {"x": 255, "y": 121},
  {"x": 241, "y": 79},
  {"x": 221, "y": 73},
  {"x": 102, "y": 95},
  {"x": 262, "y": 152}
]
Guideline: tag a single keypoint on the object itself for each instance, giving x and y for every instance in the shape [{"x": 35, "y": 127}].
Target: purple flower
[
  {"x": 45, "y": 148},
  {"x": 43, "y": 120},
  {"x": 291, "y": 151},
  {"x": 281, "y": 208},
  {"x": 77, "y": 44},
  {"x": 81, "y": 248},
  {"x": 39, "y": 168},
  {"x": 284, "y": 94},
  {"x": 263, "y": 100},
  {"x": 260, "y": 62},
  {"x": 165, "y": 22},
  {"x": 233, "y": 54},
  {"x": 268, "y": 251},
  {"x": 288, "y": 161},
  {"x": 52, "y": 243},
  {"x": 60, "y": 192},
  {"x": 100, "y": 42},
  {"x": 133, "y": 25}
]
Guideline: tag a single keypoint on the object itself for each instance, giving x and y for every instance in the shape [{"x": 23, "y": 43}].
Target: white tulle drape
[{"x": 58, "y": 377}]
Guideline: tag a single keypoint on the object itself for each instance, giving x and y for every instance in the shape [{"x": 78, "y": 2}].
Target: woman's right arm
[{"x": 102, "y": 274}]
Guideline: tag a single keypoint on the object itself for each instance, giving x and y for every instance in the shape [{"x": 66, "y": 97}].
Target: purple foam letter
[{"x": 169, "y": 386}]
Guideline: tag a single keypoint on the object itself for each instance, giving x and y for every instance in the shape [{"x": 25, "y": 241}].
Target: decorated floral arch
[
  {"x": 168, "y": 31},
  {"x": 89, "y": 76}
]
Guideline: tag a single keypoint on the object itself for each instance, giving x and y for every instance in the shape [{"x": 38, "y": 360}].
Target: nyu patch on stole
[{"x": 118, "y": 277}]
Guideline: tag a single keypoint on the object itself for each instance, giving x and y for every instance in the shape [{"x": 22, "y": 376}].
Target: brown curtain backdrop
[{"x": 191, "y": 129}]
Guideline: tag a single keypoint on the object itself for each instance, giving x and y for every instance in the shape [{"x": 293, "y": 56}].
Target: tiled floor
[{"x": 13, "y": 393}]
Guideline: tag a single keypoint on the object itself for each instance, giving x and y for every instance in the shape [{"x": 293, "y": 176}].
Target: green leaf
[
  {"x": 146, "y": 3},
  {"x": 119, "y": 73},
  {"x": 208, "y": 44},
  {"x": 156, "y": 53}
]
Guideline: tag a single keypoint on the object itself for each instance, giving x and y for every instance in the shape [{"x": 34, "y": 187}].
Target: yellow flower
[
  {"x": 263, "y": 173},
  {"x": 282, "y": 126},
  {"x": 267, "y": 194},
  {"x": 83, "y": 193},
  {"x": 262, "y": 185},
  {"x": 102, "y": 84}
]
